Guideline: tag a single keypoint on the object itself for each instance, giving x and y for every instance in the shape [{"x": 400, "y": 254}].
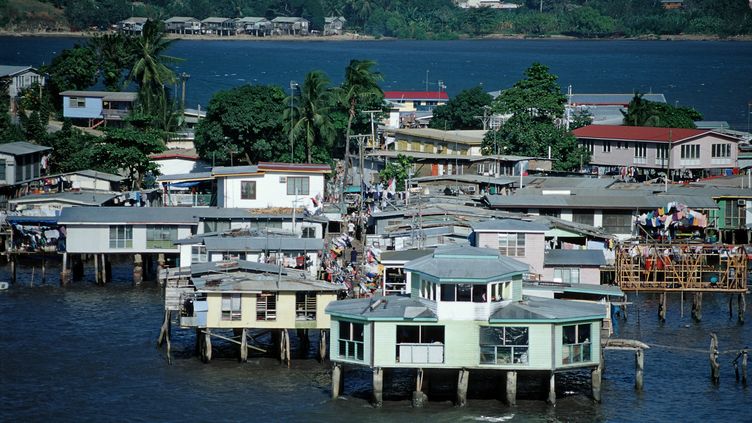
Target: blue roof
[{"x": 467, "y": 264}]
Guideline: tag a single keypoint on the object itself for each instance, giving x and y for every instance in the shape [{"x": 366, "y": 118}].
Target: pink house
[
  {"x": 693, "y": 152},
  {"x": 523, "y": 240},
  {"x": 573, "y": 266}
]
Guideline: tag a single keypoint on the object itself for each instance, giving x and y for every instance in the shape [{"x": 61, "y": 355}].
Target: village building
[
  {"x": 573, "y": 266},
  {"x": 465, "y": 312},
  {"x": 133, "y": 25},
  {"x": 334, "y": 25},
  {"x": 290, "y": 25},
  {"x": 258, "y": 26},
  {"x": 672, "y": 4},
  {"x": 98, "y": 107},
  {"x": 179, "y": 161},
  {"x": 19, "y": 78},
  {"x": 218, "y": 26},
  {"x": 684, "y": 153},
  {"x": 523, "y": 240},
  {"x": 183, "y": 25},
  {"x": 417, "y": 101},
  {"x": 22, "y": 162}
]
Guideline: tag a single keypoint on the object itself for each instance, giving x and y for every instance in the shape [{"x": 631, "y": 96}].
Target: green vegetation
[
  {"x": 641, "y": 112},
  {"x": 463, "y": 110},
  {"x": 535, "y": 103},
  {"x": 427, "y": 19},
  {"x": 309, "y": 118},
  {"x": 399, "y": 170}
]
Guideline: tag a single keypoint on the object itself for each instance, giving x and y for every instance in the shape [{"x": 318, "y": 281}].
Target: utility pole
[
  {"x": 486, "y": 118},
  {"x": 183, "y": 78},
  {"x": 293, "y": 84},
  {"x": 668, "y": 161},
  {"x": 373, "y": 127}
]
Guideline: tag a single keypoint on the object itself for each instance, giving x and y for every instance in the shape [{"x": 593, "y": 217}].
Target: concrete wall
[{"x": 270, "y": 192}]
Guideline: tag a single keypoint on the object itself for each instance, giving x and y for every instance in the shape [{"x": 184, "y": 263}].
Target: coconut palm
[
  {"x": 150, "y": 69},
  {"x": 310, "y": 114},
  {"x": 360, "y": 83}
]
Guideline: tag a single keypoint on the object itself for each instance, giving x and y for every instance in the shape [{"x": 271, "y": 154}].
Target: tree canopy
[
  {"x": 309, "y": 120},
  {"x": 641, "y": 112},
  {"x": 536, "y": 105},
  {"x": 463, "y": 110}
]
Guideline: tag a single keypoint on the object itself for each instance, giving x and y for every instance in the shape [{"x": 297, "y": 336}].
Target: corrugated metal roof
[
  {"x": 180, "y": 19},
  {"x": 243, "y": 282},
  {"x": 259, "y": 244},
  {"x": 104, "y": 95},
  {"x": 605, "y": 201},
  {"x": 536, "y": 308},
  {"x": 573, "y": 258},
  {"x": 7, "y": 70},
  {"x": 82, "y": 197},
  {"x": 288, "y": 19},
  {"x": 475, "y": 179},
  {"x": 196, "y": 176},
  {"x": 128, "y": 215},
  {"x": 97, "y": 175},
  {"x": 404, "y": 255},
  {"x": 638, "y": 133},
  {"x": 238, "y": 265},
  {"x": 508, "y": 225},
  {"x": 467, "y": 264},
  {"x": 214, "y": 19},
  {"x": 20, "y": 148},
  {"x": 382, "y": 308}
]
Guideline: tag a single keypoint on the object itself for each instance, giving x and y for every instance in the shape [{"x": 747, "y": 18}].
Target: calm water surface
[
  {"x": 713, "y": 76},
  {"x": 87, "y": 353}
]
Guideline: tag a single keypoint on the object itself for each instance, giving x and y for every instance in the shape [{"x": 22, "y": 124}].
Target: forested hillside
[{"x": 436, "y": 19}]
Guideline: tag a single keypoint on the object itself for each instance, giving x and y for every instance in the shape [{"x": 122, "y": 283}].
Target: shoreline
[{"x": 359, "y": 37}]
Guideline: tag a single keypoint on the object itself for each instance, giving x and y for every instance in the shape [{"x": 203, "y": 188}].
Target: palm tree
[
  {"x": 361, "y": 82},
  {"x": 150, "y": 69},
  {"x": 310, "y": 113}
]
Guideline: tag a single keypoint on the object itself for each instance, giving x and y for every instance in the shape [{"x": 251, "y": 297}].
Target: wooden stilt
[
  {"x": 378, "y": 387},
  {"x": 207, "y": 346},
  {"x": 65, "y": 273},
  {"x": 419, "y": 397},
  {"x": 138, "y": 269},
  {"x": 462, "y": 383},
  {"x": 164, "y": 331},
  {"x": 511, "y": 391},
  {"x": 595, "y": 377},
  {"x": 742, "y": 303},
  {"x": 715, "y": 367},
  {"x": 97, "y": 274},
  {"x": 78, "y": 267},
  {"x": 338, "y": 380},
  {"x": 662, "y": 307},
  {"x": 13, "y": 268},
  {"x": 322, "y": 345},
  {"x": 287, "y": 347},
  {"x": 199, "y": 337},
  {"x": 243, "y": 346},
  {"x": 731, "y": 306},
  {"x": 744, "y": 367},
  {"x": 639, "y": 368},
  {"x": 44, "y": 268},
  {"x": 552, "y": 389}
]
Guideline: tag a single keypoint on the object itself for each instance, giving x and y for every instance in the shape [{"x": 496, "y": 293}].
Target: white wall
[
  {"x": 96, "y": 239},
  {"x": 270, "y": 192},
  {"x": 180, "y": 166}
]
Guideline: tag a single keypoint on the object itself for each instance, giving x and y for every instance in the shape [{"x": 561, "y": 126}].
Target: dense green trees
[
  {"x": 246, "y": 121},
  {"x": 536, "y": 106},
  {"x": 463, "y": 110},
  {"x": 309, "y": 120},
  {"x": 73, "y": 69},
  {"x": 641, "y": 112},
  {"x": 398, "y": 169}
]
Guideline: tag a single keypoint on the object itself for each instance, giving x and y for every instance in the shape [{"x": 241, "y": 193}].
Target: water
[
  {"x": 87, "y": 353},
  {"x": 715, "y": 77}
]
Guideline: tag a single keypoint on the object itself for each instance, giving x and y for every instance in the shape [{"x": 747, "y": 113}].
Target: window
[
  {"x": 589, "y": 145},
  {"x": 160, "y": 236},
  {"x": 567, "y": 275},
  {"x": 463, "y": 293},
  {"x": 617, "y": 222},
  {"x": 690, "y": 151},
  {"x": 76, "y": 102},
  {"x": 216, "y": 226},
  {"x": 606, "y": 146},
  {"x": 576, "y": 344},
  {"x": 735, "y": 214},
  {"x": 2, "y": 169},
  {"x": 121, "y": 236},
  {"x": 640, "y": 150},
  {"x": 512, "y": 244},
  {"x": 585, "y": 217},
  {"x": 309, "y": 232},
  {"x": 620, "y": 145},
  {"x": 231, "y": 307},
  {"x": 305, "y": 306},
  {"x": 198, "y": 254},
  {"x": 500, "y": 291},
  {"x": 504, "y": 345},
  {"x": 721, "y": 150},
  {"x": 297, "y": 185},
  {"x": 247, "y": 190},
  {"x": 420, "y": 344},
  {"x": 350, "y": 340},
  {"x": 266, "y": 306}
]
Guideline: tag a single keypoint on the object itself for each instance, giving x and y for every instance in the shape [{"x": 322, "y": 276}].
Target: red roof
[
  {"x": 637, "y": 133},
  {"x": 416, "y": 95}
]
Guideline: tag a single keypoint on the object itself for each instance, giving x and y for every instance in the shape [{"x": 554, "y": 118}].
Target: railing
[
  {"x": 420, "y": 353},
  {"x": 188, "y": 200},
  {"x": 115, "y": 114},
  {"x": 352, "y": 350},
  {"x": 576, "y": 353}
]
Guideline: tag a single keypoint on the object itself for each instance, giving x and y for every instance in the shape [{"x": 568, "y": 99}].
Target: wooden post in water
[
  {"x": 378, "y": 387},
  {"x": 44, "y": 267},
  {"x": 742, "y": 303},
  {"x": 106, "y": 270},
  {"x": 697, "y": 306},
  {"x": 65, "y": 273},
  {"x": 595, "y": 377},
  {"x": 715, "y": 367},
  {"x": 338, "y": 380},
  {"x": 662, "y": 307},
  {"x": 97, "y": 274},
  {"x": 207, "y": 352},
  {"x": 419, "y": 397},
  {"x": 731, "y": 305},
  {"x": 744, "y": 367},
  {"x": 13, "y": 267},
  {"x": 511, "y": 392},
  {"x": 462, "y": 382},
  {"x": 639, "y": 368},
  {"x": 138, "y": 269},
  {"x": 322, "y": 345},
  {"x": 552, "y": 389},
  {"x": 243, "y": 346}
]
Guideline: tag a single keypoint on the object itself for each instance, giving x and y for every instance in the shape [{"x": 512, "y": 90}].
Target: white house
[
  {"x": 21, "y": 162},
  {"x": 269, "y": 185},
  {"x": 178, "y": 161},
  {"x": 20, "y": 77}
]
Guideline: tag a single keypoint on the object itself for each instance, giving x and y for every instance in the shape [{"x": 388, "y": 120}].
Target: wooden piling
[
  {"x": 742, "y": 303},
  {"x": 44, "y": 268},
  {"x": 243, "y": 346},
  {"x": 715, "y": 367},
  {"x": 595, "y": 377},
  {"x": 419, "y": 397},
  {"x": 322, "y": 345},
  {"x": 138, "y": 269},
  {"x": 662, "y": 307},
  {"x": 65, "y": 273},
  {"x": 97, "y": 274},
  {"x": 462, "y": 382},
  {"x": 77, "y": 267},
  {"x": 744, "y": 367},
  {"x": 207, "y": 350},
  {"x": 697, "y": 306},
  {"x": 639, "y": 368},
  {"x": 731, "y": 306},
  {"x": 552, "y": 389},
  {"x": 378, "y": 387},
  {"x": 338, "y": 380},
  {"x": 13, "y": 268},
  {"x": 511, "y": 391}
]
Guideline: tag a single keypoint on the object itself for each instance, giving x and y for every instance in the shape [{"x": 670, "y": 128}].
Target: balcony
[
  {"x": 115, "y": 114},
  {"x": 188, "y": 200}
]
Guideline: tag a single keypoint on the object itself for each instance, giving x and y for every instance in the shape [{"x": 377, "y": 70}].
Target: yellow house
[{"x": 243, "y": 301}]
